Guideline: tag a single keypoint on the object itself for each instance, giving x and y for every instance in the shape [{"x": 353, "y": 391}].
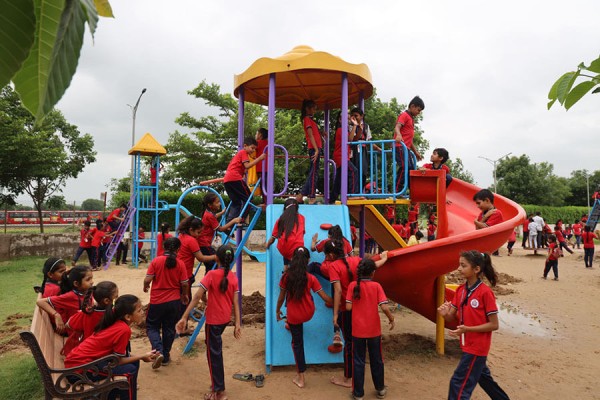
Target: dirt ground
[{"x": 547, "y": 346}]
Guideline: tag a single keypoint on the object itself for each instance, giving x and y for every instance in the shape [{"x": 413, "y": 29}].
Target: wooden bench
[{"x": 68, "y": 383}]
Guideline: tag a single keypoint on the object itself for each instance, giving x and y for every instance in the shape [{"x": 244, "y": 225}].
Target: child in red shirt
[
  {"x": 236, "y": 188},
  {"x": 262, "y": 141},
  {"x": 474, "y": 309},
  {"x": 141, "y": 236},
  {"x": 85, "y": 243},
  {"x": 511, "y": 240},
  {"x": 169, "y": 281},
  {"x": 404, "y": 133},
  {"x": 588, "y": 245},
  {"x": 83, "y": 323},
  {"x": 210, "y": 224},
  {"x": 222, "y": 287},
  {"x": 288, "y": 231},
  {"x": 560, "y": 239},
  {"x": 352, "y": 186},
  {"x": 53, "y": 271},
  {"x": 74, "y": 285},
  {"x": 438, "y": 162},
  {"x": 112, "y": 336},
  {"x": 552, "y": 259},
  {"x": 577, "y": 229},
  {"x": 490, "y": 215},
  {"x": 431, "y": 228},
  {"x": 114, "y": 219},
  {"x": 315, "y": 149},
  {"x": 295, "y": 287},
  {"x": 334, "y": 233},
  {"x": 364, "y": 298},
  {"x": 162, "y": 236}
]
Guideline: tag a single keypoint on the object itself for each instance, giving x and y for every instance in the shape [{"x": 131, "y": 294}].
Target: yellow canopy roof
[
  {"x": 147, "y": 146},
  {"x": 303, "y": 73}
]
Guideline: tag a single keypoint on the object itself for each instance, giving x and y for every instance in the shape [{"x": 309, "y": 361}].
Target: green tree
[
  {"x": 578, "y": 186},
  {"x": 566, "y": 94},
  {"x": 92, "y": 205},
  {"x": 528, "y": 183},
  {"x": 55, "y": 203},
  {"x": 49, "y": 152},
  {"x": 458, "y": 170},
  {"x": 40, "y": 46}
]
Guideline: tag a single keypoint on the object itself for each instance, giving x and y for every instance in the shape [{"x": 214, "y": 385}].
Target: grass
[
  {"x": 19, "y": 377},
  {"x": 27, "y": 229}
]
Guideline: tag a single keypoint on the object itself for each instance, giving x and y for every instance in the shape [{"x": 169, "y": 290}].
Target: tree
[
  {"x": 56, "y": 203},
  {"x": 567, "y": 95},
  {"x": 457, "y": 170},
  {"x": 41, "y": 43},
  {"x": 92, "y": 205},
  {"x": 49, "y": 153},
  {"x": 528, "y": 183}
]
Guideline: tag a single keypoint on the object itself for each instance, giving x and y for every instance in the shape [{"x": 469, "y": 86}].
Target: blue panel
[{"x": 318, "y": 332}]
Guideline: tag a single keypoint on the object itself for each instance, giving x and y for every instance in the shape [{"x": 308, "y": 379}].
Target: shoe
[
  {"x": 166, "y": 362},
  {"x": 353, "y": 397},
  {"x": 158, "y": 361},
  {"x": 118, "y": 264},
  {"x": 337, "y": 340},
  {"x": 555, "y": 279},
  {"x": 543, "y": 277},
  {"x": 381, "y": 393}
]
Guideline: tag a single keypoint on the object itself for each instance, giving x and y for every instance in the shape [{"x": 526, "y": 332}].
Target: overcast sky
[{"x": 484, "y": 70}]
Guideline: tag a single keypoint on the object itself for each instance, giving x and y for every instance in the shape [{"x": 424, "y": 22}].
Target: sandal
[
  {"x": 247, "y": 377},
  {"x": 259, "y": 381},
  {"x": 158, "y": 361},
  {"x": 337, "y": 340}
]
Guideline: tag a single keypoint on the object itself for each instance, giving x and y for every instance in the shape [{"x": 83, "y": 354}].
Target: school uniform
[
  {"x": 431, "y": 232},
  {"x": 97, "y": 246},
  {"x": 218, "y": 316},
  {"x": 320, "y": 246},
  {"x": 524, "y": 243},
  {"x": 112, "y": 220},
  {"x": 312, "y": 178},
  {"x": 407, "y": 131},
  {"x": 81, "y": 326},
  {"x": 577, "y": 230},
  {"x": 189, "y": 247},
  {"x": 51, "y": 288},
  {"x": 338, "y": 272},
  {"x": 441, "y": 167},
  {"x": 207, "y": 234},
  {"x": 562, "y": 243},
  {"x": 300, "y": 311},
  {"x": 474, "y": 305},
  {"x": 236, "y": 188},
  {"x": 366, "y": 333},
  {"x": 112, "y": 340},
  {"x": 588, "y": 248},
  {"x": 352, "y": 169},
  {"x": 287, "y": 244},
  {"x": 67, "y": 304},
  {"x": 160, "y": 239},
  {"x": 552, "y": 260},
  {"x": 85, "y": 244},
  {"x": 494, "y": 219},
  {"x": 165, "y": 300}
]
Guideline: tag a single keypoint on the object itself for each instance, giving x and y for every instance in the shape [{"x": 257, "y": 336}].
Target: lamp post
[
  {"x": 494, "y": 164},
  {"x": 587, "y": 178},
  {"x": 133, "y": 113}
]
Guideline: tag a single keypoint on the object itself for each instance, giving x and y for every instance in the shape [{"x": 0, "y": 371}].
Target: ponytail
[
  {"x": 366, "y": 267},
  {"x": 296, "y": 273},
  {"x": 164, "y": 229},
  {"x": 75, "y": 274},
  {"x": 191, "y": 222},
  {"x": 225, "y": 257},
  {"x": 171, "y": 246},
  {"x": 336, "y": 247},
  {"x": 102, "y": 291},
  {"x": 289, "y": 218},
  {"x": 484, "y": 262},
  {"x": 124, "y": 305},
  {"x": 87, "y": 306}
]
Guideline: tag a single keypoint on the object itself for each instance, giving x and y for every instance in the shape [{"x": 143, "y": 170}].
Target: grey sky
[{"x": 484, "y": 70}]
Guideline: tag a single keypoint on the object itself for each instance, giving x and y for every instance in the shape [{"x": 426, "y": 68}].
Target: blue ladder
[
  {"x": 594, "y": 216},
  {"x": 116, "y": 240}
]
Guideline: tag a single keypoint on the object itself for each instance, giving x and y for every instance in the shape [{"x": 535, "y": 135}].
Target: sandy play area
[{"x": 547, "y": 346}]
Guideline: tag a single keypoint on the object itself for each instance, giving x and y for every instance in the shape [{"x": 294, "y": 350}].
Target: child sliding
[
  {"x": 474, "y": 309},
  {"x": 222, "y": 287},
  {"x": 295, "y": 286}
]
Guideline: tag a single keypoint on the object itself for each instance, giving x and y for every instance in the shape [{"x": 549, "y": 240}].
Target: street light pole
[
  {"x": 133, "y": 113},
  {"x": 587, "y": 177},
  {"x": 494, "y": 164}
]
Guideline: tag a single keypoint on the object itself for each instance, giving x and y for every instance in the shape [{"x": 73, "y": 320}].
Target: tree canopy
[
  {"x": 37, "y": 159},
  {"x": 564, "y": 90},
  {"x": 92, "y": 205}
]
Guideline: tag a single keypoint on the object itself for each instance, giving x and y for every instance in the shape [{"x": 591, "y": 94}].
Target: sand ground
[{"x": 547, "y": 346}]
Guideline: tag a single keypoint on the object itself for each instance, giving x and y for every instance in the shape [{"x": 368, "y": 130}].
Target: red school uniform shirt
[
  {"x": 407, "y": 130},
  {"x": 141, "y": 236},
  {"x": 236, "y": 168},
  {"x": 337, "y": 150},
  {"x": 113, "y": 214},
  {"x": 160, "y": 250},
  {"x": 588, "y": 239},
  {"x": 166, "y": 283},
  {"x": 98, "y": 237},
  {"x": 310, "y": 122},
  {"x": 474, "y": 308},
  {"x": 107, "y": 239},
  {"x": 442, "y": 167},
  {"x": 365, "y": 311},
  {"x": 51, "y": 288},
  {"x": 577, "y": 229},
  {"x": 189, "y": 246},
  {"x": 431, "y": 229},
  {"x": 553, "y": 251},
  {"x": 353, "y": 232},
  {"x": 81, "y": 326},
  {"x": 287, "y": 244},
  {"x": 339, "y": 273},
  {"x": 209, "y": 226},
  {"x": 513, "y": 236},
  {"x": 112, "y": 340},
  {"x": 218, "y": 308},
  {"x": 412, "y": 216},
  {"x": 67, "y": 304},
  {"x": 85, "y": 242},
  {"x": 260, "y": 149},
  {"x": 390, "y": 212},
  {"x": 301, "y": 311},
  {"x": 525, "y": 225},
  {"x": 493, "y": 219},
  {"x": 347, "y": 246},
  {"x": 399, "y": 228},
  {"x": 559, "y": 236}
]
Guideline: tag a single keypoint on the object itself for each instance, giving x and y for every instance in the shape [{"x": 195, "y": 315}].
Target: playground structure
[{"x": 412, "y": 276}]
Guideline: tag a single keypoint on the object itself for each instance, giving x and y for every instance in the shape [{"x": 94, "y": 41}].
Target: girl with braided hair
[
  {"x": 53, "y": 271},
  {"x": 364, "y": 297},
  {"x": 222, "y": 287},
  {"x": 295, "y": 288},
  {"x": 288, "y": 231},
  {"x": 169, "y": 289}
]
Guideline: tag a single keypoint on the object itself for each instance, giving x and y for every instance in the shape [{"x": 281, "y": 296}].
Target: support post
[
  {"x": 326, "y": 156},
  {"x": 271, "y": 141},
  {"x": 344, "y": 166}
]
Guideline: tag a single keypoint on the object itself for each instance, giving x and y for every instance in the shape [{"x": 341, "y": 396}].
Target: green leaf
[
  {"x": 578, "y": 92},
  {"x": 52, "y": 62},
  {"x": 104, "y": 8},
  {"x": 17, "y": 33},
  {"x": 595, "y": 66},
  {"x": 565, "y": 83},
  {"x": 551, "y": 103},
  {"x": 91, "y": 14},
  {"x": 597, "y": 90}
]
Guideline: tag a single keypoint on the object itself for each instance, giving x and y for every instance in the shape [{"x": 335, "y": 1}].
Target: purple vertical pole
[
  {"x": 344, "y": 166},
  {"x": 326, "y": 166},
  {"x": 271, "y": 141},
  {"x": 361, "y": 100},
  {"x": 238, "y": 233},
  {"x": 361, "y": 232}
]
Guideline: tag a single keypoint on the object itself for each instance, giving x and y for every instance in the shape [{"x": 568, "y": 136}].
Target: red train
[{"x": 49, "y": 217}]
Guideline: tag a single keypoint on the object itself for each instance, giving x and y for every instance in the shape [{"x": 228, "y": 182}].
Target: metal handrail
[{"x": 287, "y": 163}]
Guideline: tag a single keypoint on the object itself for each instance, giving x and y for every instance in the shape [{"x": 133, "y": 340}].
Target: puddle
[{"x": 516, "y": 322}]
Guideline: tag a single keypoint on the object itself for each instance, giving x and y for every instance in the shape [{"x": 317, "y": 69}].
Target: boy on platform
[
  {"x": 438, "y": 162},
  {"x": 404, "y": 132}
]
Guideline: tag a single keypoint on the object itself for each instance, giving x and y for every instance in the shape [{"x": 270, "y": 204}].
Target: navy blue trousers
[
  {"x": 472, "y": 370},
  {"x": 297, "y": 331},
  {"x": 588, "y": 257},
  {"x": 551, "y": 264},
  {"x": 207, "y": 251},
  {"x": 312, "y": 179},
  {"x": 162, "y": 317},
  {"x": 238, "y": 193},
  {"x": 214, "y": 355},
  {"x": 88, "y": 250},
  {"x": 401, "y": 168},
  {"x": 360, "y": 346},
  {"x": 345, "y": 323}
]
